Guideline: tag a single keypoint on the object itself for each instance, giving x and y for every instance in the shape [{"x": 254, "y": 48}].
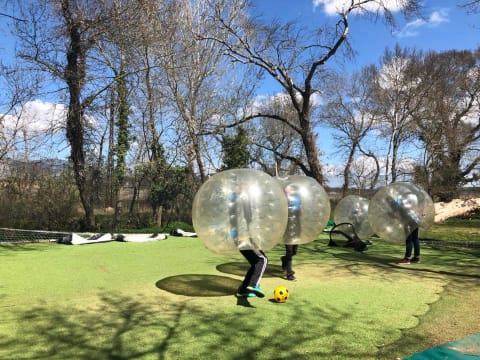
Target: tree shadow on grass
[
  {"x": 450, "y": 262},
  {"x": 12, "y": 248},
  {"x": 199, "y": 285},
  {"x": 115, "y": 330},
  {"x": 240, "y": 268},
  {"x": 124, "y": 327}
]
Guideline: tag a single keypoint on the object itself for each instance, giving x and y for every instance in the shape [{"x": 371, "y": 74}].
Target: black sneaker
[
  {"x": 415, "y": 260},
  {"x": 245, "y": 294},
  {"x": 290, "y": 276}
]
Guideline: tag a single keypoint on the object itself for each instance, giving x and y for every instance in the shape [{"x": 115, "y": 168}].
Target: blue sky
[{"x": 443, "y": 26}]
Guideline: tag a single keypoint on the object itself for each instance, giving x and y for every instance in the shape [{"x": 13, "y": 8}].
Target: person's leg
[
  {"x": 290, "y": 252},
  {"x": 259, "y": 267},
  {"x": 287, "y": 258},
  {"x": 408, "y": 248},
  {"x": 416, "y": 245},
  {"x": 294, "y": 250},
  {"x": 251, "y": 258},
  {"x": 258, "y": 263},
  {"x": 411, "y": 241}
]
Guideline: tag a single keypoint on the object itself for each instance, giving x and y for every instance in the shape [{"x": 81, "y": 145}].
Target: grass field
[{"x": 173, "y": 299}]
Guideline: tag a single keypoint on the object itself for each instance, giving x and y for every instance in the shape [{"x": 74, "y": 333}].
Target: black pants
[
  {"x": 290, "y": 252},
  {"x": 412, "y": 242},
  {"x": 258, "y": 263}
]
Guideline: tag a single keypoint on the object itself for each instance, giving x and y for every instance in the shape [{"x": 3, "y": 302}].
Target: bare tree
[
  {"x": 88, "y": 47},
  {"x": 277, "y": 148},
  {"x": 288, "y": 55},
  {"x": 16, "y": 90},
  {"x": 471, "y": 5},
  {"x": 117, "y": 52},
  {"x": 202, "y": 84},
  {"x": 449, "y": 118},
  {"x": 397, "y": 96},
  {"x": 57, "y": 37},
  {"x": 349, "y": 110},
  {"x": 364, "y": 172}
]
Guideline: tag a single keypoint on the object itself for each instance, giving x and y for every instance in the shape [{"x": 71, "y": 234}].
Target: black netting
[
  {"x": 19, "y": 235},
  {"x": 344, "y": 235}
]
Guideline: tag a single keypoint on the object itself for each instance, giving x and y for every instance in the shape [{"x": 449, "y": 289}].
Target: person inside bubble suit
[
  {"x": 405, "y": 207},
  {"x": 292, "y": 232},
  {"x": 240, "y": 212}
]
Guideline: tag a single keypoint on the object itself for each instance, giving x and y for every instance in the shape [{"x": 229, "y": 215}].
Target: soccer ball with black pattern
[{"x": 280, "y": 294}]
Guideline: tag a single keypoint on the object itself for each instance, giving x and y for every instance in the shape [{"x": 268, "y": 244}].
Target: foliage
[
  {"x": 235, "y": 150},
  {"x": 47, "y": 203},
  {"x": 177, "y": 225},
  {"x": 174, "y": 191},
  {"x": 122, "y": 123},
  {"x": 149, "y": 228},
  {"x": 447, "y": 120}
]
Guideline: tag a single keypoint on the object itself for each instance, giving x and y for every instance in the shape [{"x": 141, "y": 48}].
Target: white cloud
[
  {"x": 333, "y": 7},
  {"x": 435, "y": 19},
  {"x": 330, "y": 7},
  {"x": 36, "y": 117},
  {"x": 438, "y": 17},
  {"x": 262, "y": 100}
]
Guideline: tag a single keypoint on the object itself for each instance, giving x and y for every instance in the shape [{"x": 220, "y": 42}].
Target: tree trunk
[
  {"x": 122, "y": 138},
  {"x": 309, "y": 138},
  {"x": 346, "y": 171},
  {"x": 75, "y": 77},
  {"x": 312, "y": 158}
]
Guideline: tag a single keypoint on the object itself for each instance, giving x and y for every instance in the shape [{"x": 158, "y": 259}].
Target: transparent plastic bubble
[
  {"x": 308, "y": 209},
  {"x": 240, "y": 209},
  {"x": 397, "y": 209},
  {"x": 353, "y": 209}
]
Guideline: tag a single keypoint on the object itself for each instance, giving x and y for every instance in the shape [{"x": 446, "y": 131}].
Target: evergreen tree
[{"x": 235, "y": 150}]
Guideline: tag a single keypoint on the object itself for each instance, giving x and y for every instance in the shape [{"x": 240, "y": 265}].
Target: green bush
[
  {"x": 46, "y": 203},
  {"x": 152, "y": 228},
  {"x": 177, "y": 225}
]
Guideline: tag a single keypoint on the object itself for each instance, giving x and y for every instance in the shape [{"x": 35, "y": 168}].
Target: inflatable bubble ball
[
  {"x": 353, "y": 209},
  {"x": 397, "y": 209},
  {"x": 240, "y": 209},
  {"x": 308, "y": 209}
]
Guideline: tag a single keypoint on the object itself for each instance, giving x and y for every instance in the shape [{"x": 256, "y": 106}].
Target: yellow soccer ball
[{"x": 280, "y": 294}]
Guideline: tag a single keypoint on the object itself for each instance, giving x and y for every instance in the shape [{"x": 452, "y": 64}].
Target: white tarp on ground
[
  {"x": 140, "y": 237},
  {"x": 180, "y": 232},
  {"x": 75, "y": 239}
]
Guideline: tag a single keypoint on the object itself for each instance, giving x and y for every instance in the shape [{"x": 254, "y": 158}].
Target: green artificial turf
[{"x": 173, "y": 299}]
